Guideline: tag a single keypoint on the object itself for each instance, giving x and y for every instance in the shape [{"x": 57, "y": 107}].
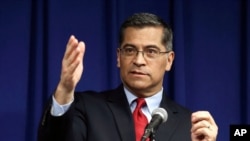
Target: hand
[
  {"x": 72, "y": 68},
  {"x": 204, "y": 127}
]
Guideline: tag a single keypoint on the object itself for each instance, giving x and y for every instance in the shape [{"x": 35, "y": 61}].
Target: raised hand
[{"x": 72, "y": 69}]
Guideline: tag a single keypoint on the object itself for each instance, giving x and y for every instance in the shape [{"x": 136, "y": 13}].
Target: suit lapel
[
  {"x": 119, "y": 106},
  {"x": 166, "y": 130}
]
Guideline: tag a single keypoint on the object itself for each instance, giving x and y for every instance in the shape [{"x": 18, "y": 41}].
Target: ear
[
  {"x": 170, "y": 60},
  {"x": 118, "y": 57}
]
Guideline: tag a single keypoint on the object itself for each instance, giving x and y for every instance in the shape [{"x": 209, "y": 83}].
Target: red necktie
[{"x": 140, "y": 119}]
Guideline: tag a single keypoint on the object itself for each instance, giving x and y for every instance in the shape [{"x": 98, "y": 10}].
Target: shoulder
[
  {"x": 105, "y": 95},
  {"x": 175, "y": 108},
  {"x": 94, "y": 94}
]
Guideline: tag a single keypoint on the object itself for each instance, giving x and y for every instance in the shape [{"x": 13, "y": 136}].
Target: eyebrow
[
  {"x": 126, "y": 45},
  {"x": 147, "y": 46}
]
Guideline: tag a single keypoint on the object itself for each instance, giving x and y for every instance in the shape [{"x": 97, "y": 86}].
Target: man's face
[{"x": 143, "y": 76}]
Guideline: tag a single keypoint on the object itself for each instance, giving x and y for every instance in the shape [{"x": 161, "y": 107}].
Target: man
[{"x": 144, "y": 55}]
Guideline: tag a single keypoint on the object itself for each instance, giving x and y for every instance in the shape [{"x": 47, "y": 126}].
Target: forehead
[{"x": 143, "y": 36}]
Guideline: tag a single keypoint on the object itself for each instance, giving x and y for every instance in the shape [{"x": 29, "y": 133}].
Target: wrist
[{"x": 63, "y": 96}]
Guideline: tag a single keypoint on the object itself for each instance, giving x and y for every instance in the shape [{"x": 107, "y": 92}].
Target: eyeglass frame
[{"x": 121, "y": 49}]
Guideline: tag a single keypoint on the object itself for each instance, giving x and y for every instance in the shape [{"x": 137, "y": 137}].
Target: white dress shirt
[{"x": 152, "y": 102}]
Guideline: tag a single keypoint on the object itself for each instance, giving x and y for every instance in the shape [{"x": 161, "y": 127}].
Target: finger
[
  {"x": 200, "y": 124},
  {"x": 202, "y": 115},
  {"x": 201, "y": 130},
  {"x": 71, "y": 46},
  {"x": 203, "y": 126},
  {"x": 78, "y": 58},
  {"x": 82, "y": 49},
  {"x": 71, "y": 72},
  {"x": 72, "y": 51},
  {"x": 72, "y": 56},
  {"x": 201, "y": 133},
  {"x": 75, "y": 59}
]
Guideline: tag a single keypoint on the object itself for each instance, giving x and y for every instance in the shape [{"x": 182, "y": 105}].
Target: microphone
[{"x": 159, "y": 115}]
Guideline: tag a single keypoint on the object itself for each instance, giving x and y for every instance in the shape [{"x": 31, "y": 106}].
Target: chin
[{"x": 137, "y": 86}]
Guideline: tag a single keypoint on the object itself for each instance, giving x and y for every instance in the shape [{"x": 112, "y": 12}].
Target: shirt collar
[{"x": 153, "y": 102}]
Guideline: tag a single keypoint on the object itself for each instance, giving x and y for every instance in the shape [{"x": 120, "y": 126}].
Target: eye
[
  {"x": 129, "y": 50},
  {"x": 151, "y": 51}
]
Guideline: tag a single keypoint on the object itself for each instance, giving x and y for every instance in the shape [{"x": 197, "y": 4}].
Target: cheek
[
  {"x": 159, "y": 68},
  {"x": 124, "y": 67},
  {"x": 122, "y": 64},
  {"x": 160, "y": 65},
  {"x": 164, "y": 65}
]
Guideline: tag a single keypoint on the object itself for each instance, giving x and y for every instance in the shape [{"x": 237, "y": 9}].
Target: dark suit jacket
[{"x": 106, "y": 116}]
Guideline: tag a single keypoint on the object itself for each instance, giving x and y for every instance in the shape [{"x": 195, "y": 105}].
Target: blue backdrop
[{"x": 211, "y": 70}]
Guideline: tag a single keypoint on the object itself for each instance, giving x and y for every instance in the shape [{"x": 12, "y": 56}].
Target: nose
[
  {"x": 139, "y": 59},
  {"x": 142, "y": 52}
]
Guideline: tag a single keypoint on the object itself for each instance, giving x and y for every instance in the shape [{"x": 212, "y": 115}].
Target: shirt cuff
[{"x": 57, "y": 109}]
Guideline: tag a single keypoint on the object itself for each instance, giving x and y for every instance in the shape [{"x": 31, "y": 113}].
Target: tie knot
[{"x": 140, "y": 103}]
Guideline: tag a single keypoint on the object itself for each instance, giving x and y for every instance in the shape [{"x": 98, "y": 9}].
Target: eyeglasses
[{"x": 148, "y": 52}]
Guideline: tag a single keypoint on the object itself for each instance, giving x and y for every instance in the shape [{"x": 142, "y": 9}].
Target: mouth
[{"x": 140, "y": 73}]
